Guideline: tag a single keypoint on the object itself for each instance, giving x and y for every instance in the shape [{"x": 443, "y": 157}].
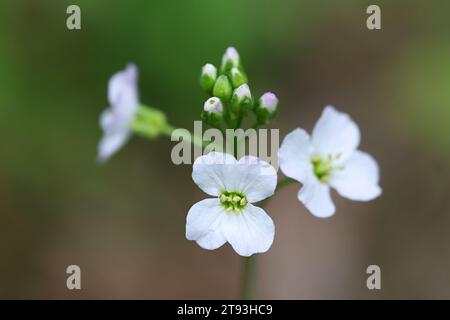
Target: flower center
[
  {"x": 233, "y": 201},
  {"x": 324, "y": 167}
]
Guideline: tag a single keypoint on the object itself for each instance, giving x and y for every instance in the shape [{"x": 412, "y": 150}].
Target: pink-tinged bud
[
  {"x": 208, "y": 77},
  {"x": 213, "y": 105},
  {"x": 230, "y": 59},
  {"x": 268, "y": 101}
]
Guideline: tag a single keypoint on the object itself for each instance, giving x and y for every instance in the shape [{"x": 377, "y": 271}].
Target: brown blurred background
[{"x": 123, "y": 223}]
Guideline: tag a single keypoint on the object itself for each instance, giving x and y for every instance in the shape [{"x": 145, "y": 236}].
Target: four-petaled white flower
[
  {"x": 329, "y": 158},
  {"x": 231, "y": 216},
  {"x": 116, "y": 120}
]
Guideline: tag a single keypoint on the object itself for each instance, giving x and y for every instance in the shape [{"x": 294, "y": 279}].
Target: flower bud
[
  {"x": 208, "y": 77},
  {"x": 242, "y": 98},
  {"x": 222, "y": 88},
  {"x": 230, "y": 59},
  {"x": 213, "y": 112},
  {"x": 237, "y": 77},
  {"x": 213, "y": 105},
  {"x": 267, "y": 107}
]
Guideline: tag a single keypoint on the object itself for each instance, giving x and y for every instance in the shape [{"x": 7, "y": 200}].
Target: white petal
[
  {"x": 216, "y": 158},
  {"x": 251, "y": 231},
  {"x": 123, "y": 93},
  {"x": 209, "y": 171},
  {"x": 256, "y": 178},
  {"x": 203, "y": 224},
  {"x": 217, "y": 172},
  {"x": 106, "y": 119},
  {"x": 110, "y": 143},
  {"x": 295, "y": 155},
  {"x": 335, "y": 133},
  {"x": 359, "y": 178},
  {"x": 317, "y": 198},
  {"x": 111, "y": 121}
]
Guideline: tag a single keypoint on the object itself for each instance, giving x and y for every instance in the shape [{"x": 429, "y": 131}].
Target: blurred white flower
[
  {"x": 231, "y": 216},
  {"x": 116, "y": 120},
  {"x": 329, "y": 158}
]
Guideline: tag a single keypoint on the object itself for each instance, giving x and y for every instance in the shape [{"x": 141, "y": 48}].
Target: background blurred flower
[
  {"x": 329, "y": 159},
  {"x": 116, "y": 120}
]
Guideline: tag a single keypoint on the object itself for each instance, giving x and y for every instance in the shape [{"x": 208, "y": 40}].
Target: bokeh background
[{"x": 123, "y": 223}]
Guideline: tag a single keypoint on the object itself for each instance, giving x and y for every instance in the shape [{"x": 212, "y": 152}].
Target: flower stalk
[
  {"x": 328, "y": 158},
  {"x": 248, "y": 278}
]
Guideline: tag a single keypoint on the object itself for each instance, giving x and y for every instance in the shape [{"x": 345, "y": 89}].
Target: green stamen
[
  {"x": 233, "y": 201},
  {"x": 324, "y": 167}
]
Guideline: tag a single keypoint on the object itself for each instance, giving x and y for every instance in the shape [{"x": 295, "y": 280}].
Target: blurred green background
[{"x": 123, "y": 223}]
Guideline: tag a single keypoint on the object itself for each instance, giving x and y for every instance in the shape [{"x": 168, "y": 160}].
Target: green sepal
[
  {"x": 150, "y": 122},
  {"x": 211, "y": 118}
]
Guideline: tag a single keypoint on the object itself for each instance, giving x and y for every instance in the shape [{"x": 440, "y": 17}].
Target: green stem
[
  {"x": 151, "y": 123},
  {"x": 196, "y": 140},
  {"x": 249, "y": 278},
  {"x": 249, "y": 275}
]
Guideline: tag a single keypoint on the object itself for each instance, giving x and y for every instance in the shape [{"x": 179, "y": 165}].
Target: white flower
[
  {"x": 230, "y": 216},
  {"x": 329, "y": 158},
  {"x": 116, "y": 120}
]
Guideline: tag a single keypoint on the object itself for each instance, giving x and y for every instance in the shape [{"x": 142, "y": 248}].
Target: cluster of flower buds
[{"x": 230, "y": 96}]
